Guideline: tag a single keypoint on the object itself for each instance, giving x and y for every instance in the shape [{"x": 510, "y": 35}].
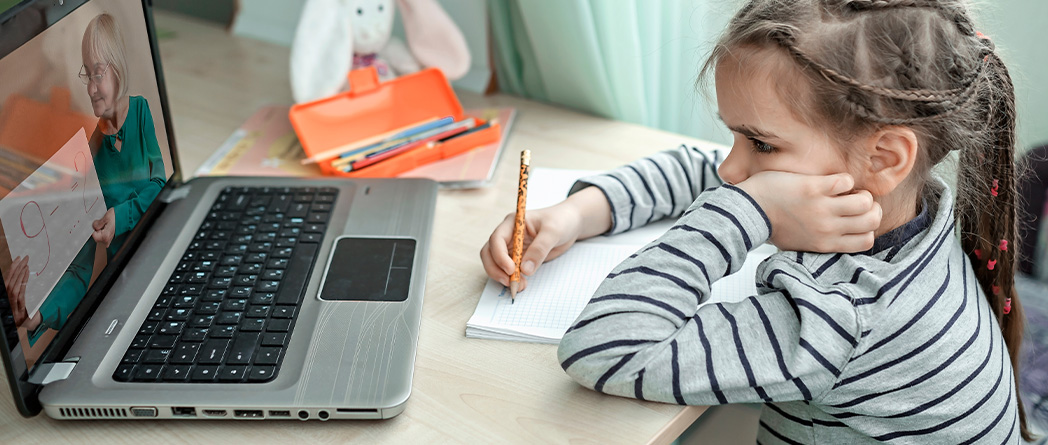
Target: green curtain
[
  {"x": 637, "y": 60},
  {"x": 631, "y": 60}
]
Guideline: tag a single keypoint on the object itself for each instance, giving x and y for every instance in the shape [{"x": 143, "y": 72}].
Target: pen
[
  {"x": 378, "y": 156},
  {"x": 518, "y": 224}
]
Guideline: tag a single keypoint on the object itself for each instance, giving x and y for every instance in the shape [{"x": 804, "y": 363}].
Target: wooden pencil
[{"x": 518, "y": 224}]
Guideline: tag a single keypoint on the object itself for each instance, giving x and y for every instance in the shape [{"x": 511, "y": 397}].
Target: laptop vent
[{"x": 92, "y": 413}]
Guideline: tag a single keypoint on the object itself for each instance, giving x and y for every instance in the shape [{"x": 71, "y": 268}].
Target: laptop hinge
[
  {"x": 51, "y": 372},
  {"x": 175, "y": 194}
]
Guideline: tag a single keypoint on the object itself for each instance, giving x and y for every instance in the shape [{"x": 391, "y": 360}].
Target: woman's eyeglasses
[{"x": 87, "y": 78}]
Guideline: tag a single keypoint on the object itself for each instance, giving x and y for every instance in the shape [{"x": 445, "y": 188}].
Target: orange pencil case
[{"x": 372, "y": 107}]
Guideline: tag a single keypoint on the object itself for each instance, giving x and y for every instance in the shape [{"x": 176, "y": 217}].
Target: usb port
[
  {"x": 183, "y": 411},
  {"x": 273, "y": 413},
  {"x": 248, "y": 413}
]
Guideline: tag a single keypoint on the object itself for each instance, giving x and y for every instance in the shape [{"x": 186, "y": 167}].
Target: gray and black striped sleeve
[
  {"x": 655, "y": 187},
  {"x": 645, "y": 335}
]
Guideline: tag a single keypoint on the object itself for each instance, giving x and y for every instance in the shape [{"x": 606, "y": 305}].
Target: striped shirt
[{"x": 896, "y": 344}]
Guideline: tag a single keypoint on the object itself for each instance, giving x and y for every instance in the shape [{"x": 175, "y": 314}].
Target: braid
[{"x": 987, "y": 213}]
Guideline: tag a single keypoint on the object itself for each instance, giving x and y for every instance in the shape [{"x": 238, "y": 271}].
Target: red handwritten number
[
  {"x": 83, "y": 192},
  {"x": 43, "y": 228}
]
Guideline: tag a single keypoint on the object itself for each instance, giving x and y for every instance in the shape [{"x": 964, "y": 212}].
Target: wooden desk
[{"x": 465, "y": 390}]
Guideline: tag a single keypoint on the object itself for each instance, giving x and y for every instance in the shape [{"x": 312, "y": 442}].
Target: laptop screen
[{"x": 83, "y": 154}]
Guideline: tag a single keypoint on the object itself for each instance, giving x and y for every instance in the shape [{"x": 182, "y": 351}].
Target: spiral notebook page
[{"x": 560, "y": 289}]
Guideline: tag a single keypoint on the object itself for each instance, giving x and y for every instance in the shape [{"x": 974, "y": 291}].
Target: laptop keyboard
[{"x": 227, "y": 312}]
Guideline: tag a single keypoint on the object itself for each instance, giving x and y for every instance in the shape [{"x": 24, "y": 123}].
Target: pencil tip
[{"x": 513, "y": 285}]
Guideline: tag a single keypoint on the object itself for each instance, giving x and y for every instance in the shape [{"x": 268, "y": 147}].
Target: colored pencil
[{"x": 398, "y": 133}]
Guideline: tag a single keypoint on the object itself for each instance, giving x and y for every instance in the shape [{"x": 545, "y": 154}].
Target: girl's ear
[
  {"x": 322, "y": 52},
  {"x": 433, "y": 37},
  {"x": 892, "y": 153}
]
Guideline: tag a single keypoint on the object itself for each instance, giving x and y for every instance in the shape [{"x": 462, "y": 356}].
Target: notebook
[
  {"x": 130, "y": 293},
  {"x": 559, "y": 290}
]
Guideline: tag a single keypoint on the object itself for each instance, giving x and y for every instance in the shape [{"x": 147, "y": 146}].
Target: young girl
[{"x": 839, "y": 110}]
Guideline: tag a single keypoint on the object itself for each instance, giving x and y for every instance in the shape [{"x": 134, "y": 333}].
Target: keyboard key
[
  {"x": 177, "y": 315},
  {"x": 243, "y": 349},
  {"x": 258, "y": 311},
  {"x": 204, "y": 373},
  {"x": 297, "y": 274},
  {"x": 261, "y": 373},
  {"x": 284, "y": 311},
  {"x": 123, "y": 373},
  {"x": 268, "y": 286},
  {"x": 202, "y": 321},
  {"x": 278, "y": 325},
  {"x": 157, "y": 314},
  {"x": 213, "y": 352},
  {"x": 146, "y": 373},
  {"x": 156, "y": 356},
  {"x": 215, "y": 295},
  {"x": 232, "y": 373},
  {"x": 314, "y": 228},
  {"x": 273, "y": 339},
  {"x": 162, "y": 341},
  {"x": 185, "y": 302},
  {"x": 207, "y": 308},
  {"x": 311, "y": 238},
  {"x": 265, "y": 298},
  {"x": 267, "y": 356},
  {"x": 176, "y": 373}
]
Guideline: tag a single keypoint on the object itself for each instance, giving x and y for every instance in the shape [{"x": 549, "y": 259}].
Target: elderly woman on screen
[{"x": 130, "y": 172}]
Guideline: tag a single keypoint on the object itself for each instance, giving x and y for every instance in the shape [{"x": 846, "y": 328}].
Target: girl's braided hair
[{"x": 919, "y": 64}]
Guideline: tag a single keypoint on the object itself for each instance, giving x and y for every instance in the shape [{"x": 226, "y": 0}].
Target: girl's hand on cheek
[{"x": 815, "y": 213}]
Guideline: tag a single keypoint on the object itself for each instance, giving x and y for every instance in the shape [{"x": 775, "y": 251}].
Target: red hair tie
[
  {"x": 978, "y": 254},
  {"x": 1003, "y": 245},
  {"x": 993, "y": 191},
  {"x": 1007, "y": 305},
  {"x": 990, "y": 264}
]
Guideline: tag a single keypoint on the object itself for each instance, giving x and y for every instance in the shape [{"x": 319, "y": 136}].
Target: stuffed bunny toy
[{"x": 335, "y": 36}]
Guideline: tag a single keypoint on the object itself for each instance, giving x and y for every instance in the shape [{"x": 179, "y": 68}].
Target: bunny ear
[
  {"x": 322, "y": 52},
  {"x": 434, "y": 38}
]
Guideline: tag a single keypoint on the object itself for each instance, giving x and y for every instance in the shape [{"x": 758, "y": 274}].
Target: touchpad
[{"x": 369, "y": 269}]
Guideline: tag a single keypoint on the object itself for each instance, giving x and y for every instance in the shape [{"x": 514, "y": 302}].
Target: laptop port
[
  {"x": 215, "y": 412},
  {"x": 183, "y": 411},
  {"x": 273, "y": 413},
  {"x": 248, "y": 413},
  {"x": 143, "y": 411},
  {"x": 303, "y": 414}
]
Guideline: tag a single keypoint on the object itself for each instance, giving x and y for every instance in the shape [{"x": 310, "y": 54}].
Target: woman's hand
[
  {"x": 15, "y": 283},
  {"x": 105, "y": 228},
  {"x": 548, "y": 233},
  {"x": 815, "y": 213}
]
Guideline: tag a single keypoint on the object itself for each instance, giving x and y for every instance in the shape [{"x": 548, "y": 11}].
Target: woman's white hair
[{"x": 105, "y": 41}]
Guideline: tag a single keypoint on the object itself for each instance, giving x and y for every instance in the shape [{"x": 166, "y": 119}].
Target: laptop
[{"x": 130, "y": 293}]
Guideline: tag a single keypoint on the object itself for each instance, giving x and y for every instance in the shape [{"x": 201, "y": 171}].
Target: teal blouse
[{"x": 130, "y": 178}]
